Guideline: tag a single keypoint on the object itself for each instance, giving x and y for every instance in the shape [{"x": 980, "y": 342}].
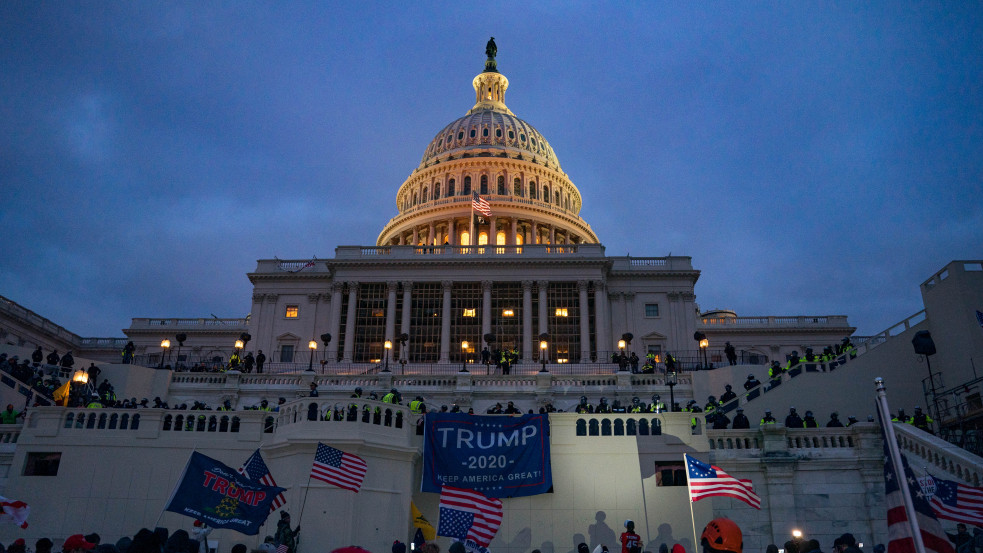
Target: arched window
[
  {"x": 484, "y": 184},
  {"x": 223, "y": 425},
  {"x": 643, "y": 427},
  {"x": 465, "y": 238},
  {"x": 619, "y": 427},
  {"x": 593, "y": 428},
  {"x": 482, "y": 238},
  {"x": 500, "y": 238},
  {"x": 167, "y": 422},
  {"x": 581, "y": 427},
  {"x": 436, "y": 191},
  {"x": 546, "y": 193},
  {"x": 517, "y": 187},
  {"x": 498, "y": 133},
  {"x": 450, "y": 188},
  {"x": 69, "y": 419},
  {"x": 606, "y": 427},
  {"x": 414, "y": 199},
  {"x": 632, "y": 427},
  {"x": 424, "y": 197},
  {"x": 460, "y": 135},
  {"x": 472, "y": 133},
  {"x": 501, "y": 186},
  {"x": 532, "y": 190},
  {"x": 466, "y": 189}
]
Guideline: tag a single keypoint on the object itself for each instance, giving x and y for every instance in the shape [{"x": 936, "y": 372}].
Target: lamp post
[
  {"x": 326, "y": 338},
  {"x": 389, "y": 346},
  {"x": 180, "y": 342},
  {"x": 165, "y": 345},
  {"x": 622, "y": 365},
  {"x": 542, "y": 354},
  {"x": 464, "y": 358},
  {"x": 79, "y": 380},
  {"x": 313, "y": 346},
  {"x": 238, "y": 357},
  {"x": 701, "y": 339},
  {"x": 671, "y": 381}
]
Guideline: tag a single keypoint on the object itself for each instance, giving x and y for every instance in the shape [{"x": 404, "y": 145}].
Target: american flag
[
  {"x": 282, "y": 548},
  {"x": 334, "y": 466},
  {"x": 898, "y": 527},
  {"x": 467, "y": 514},
  {"x": 708, "y": 481},
  {"x": 256, "y": 470},
  {"x": 480, "y": 204},
  {"x": 958, "y": 502}
]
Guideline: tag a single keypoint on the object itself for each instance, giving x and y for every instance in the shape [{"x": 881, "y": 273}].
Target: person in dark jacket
[
  {"x": 53, "y": 358},
  {"x": 809, "y": 421},
  {"x": 961, "y": 539},
  {"x": 37, "y": 356},
  {"x": 793, "y": 420},
  {"x": 834, "y": 421},
  {"x": 741, "y": 420}
]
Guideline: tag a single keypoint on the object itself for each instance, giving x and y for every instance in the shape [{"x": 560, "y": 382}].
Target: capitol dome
[{"x": 507, "y": 162}]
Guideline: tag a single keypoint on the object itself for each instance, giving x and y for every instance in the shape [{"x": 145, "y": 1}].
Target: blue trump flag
[
  {"x": 221, "y": 497},
  {"x": 498, "y": 456}
]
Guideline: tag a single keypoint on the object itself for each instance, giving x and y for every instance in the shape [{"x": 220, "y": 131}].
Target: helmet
[
  {"x": 655, "y": 397},
  {"x": 750, "y": 377},
  {"x": 393, "y": 390},
  {"x": 808, "y": 414},
  {"x": 740, "y": 409},
  {"x": 419, "y": 398},
  {"x": 767, "y": 411},
  {"x": 358, "y": 390},
  {"x": 722, "y": 534},
  {"x": 634, "y": 399},
  {"x": 604, "y": 400},
  {"x": 711, "y": 398},
  {"x": 791, "y": 409},
  {"x": 834, "y": 415},
  {"x": 917, "y": 409},
  {"x": 727, "y": 387},
  {"x": 583, "y": 399}
]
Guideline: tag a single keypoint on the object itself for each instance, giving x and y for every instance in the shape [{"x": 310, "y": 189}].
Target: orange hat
[{"x": 723, "y": 534}]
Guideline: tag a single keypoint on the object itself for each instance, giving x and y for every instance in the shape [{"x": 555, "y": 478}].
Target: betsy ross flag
[
  {"x": 256, "y": 470},
  {"x": 709, "y": 481},
  {"x": 334, "y": 466},
  {"x": 480, "y": 204},
  {"x": 958, "y": 502},
  {"x": 468, "y": 515}
]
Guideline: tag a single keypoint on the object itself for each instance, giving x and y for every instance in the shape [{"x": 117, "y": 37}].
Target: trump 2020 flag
[
  {"x": 468, "y": 515},
  {"x": 708, "y": 481},
  {"x": 219, "y": 496}
]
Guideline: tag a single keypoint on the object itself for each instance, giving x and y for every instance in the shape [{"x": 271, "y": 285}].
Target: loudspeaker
[{"x": 923, "y": 343}]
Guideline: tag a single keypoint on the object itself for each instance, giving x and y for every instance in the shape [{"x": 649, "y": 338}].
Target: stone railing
[
  {"x": 112, "y": 424},
  {"x": 9, "y": 433},
  {"x": 939, "y": 454},
  {"x": 801, "y": 321},
  {"x": 776, "y": 440},
  {"x": 467, "y": 252},
  {"x": 26, "y": 316},
  {"x": 176, "y": 324},
  {"x": 867, "y": 343}
]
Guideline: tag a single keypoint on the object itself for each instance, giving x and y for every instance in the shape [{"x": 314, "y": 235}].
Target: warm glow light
[
  {"x": 542, "y": 345},
  {"x": 312, "y": 344},
  {"x": 508, "y": 313},
  {"x": 561, "y": 312},
  {"x": 388, "y": 344},
  {"x": 469, "y": 312},
  {"x": 704, "y": 343},
  {"x": 657, "y": 358},
  {"x": 563, "y": 360},
  {"x": 292, "y": 312},
  {"x": 621, "y": 344},
  {"x": 795, "y": 533},
  {"x": 239, "y": 344},
  {"x": 165, "y": 344},
  {"x": 80, "y": 377},
  {"x": 465, "y": 345}
]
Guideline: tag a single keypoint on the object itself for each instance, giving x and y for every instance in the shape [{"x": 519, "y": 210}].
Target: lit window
[
  {"x": 378, "y": 312},
  {"x": 500, "y": 238},
  {"x": 482, "y": 238},
  {"x": 508, "y": 313},
  {"x": 651, "y": 310},
  {"x": 292, "y": 312},
  {"x": 561, "y": 312},
  {"x": 469, "y": 312}
]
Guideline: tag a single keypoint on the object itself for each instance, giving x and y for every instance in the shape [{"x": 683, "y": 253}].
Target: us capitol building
[{"x": 447, "y": 277}]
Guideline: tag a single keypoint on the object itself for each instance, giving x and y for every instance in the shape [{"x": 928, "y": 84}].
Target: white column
[
  {"x": 350, "y": 322},
  {"x": 430, "y": 235},
  {"x": 601, "y": 319},
  {"x": 542, "y": 285},
  {"x": 391, "y": 287},
  {"x": 335, "y": 321},
  {"x": 515, "y": 232},
  {"x": 584, "y": 312},
  {"x": 527, "y": 340},
  {"x": 486, "y": 287},
  {"x": 445, "y": 322},
  {"x": 404, "y": 325}
]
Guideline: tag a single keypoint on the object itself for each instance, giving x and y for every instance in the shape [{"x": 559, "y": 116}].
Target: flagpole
[
  {"x": 471, "y": 240},
  {"x": 689, "y": 497},
  {"x": 303, "y": 504},
  {"x": 892, "y": 447}
]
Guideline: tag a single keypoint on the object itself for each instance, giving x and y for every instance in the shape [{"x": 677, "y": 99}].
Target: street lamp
[
  {"x": 313, "y": 345},
  {"x": 165, "y": 344},
  {"x": 622, "y": 364},
  {"x": 389, "y": 346},
  {"x": 671, "y": 381},
  {"x": 79, "y": 380},
  {"x": 542, "y": 354},
  {"x": 464, "y": 356},
  {"x": 701, "y": 338}
]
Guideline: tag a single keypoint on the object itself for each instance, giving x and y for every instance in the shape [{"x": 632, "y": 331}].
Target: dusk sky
[{"x": 813, "y": 158}]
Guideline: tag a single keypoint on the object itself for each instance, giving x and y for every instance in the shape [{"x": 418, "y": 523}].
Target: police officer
[
  {"x": 658, "y": 406},
  {"x": 358, "y": 393},
  {"x": 922, "y": 421},
  {"x": 751, "y": 382},
  {"x": 711, "y": 406},
  {"x": 602, "y": 406},
  {"x": 265, "y": 405},
  {"x": 851, "y": 420},
  {"x": 834, "y": 421},
  {"x": 94, "y": 402},
  {"x": 767, "y": 419},
  {"x": 511, "y": 409},
  {"x": 417, "y": 406},
  {"x": 636, "y": 405},
  {"x": 583, "y": 407},
  {"x": 720, "y": 421},
  {"x": 740, "y": 420},
  {"x": 793, "y": 420},
  {"x": 226, "y": 405},
  {"x": 391, "y": 397},
  {"x": 809, "y": 421},
  {"x": 901, "y": 417},
  {"x": 728, "y": 394}
]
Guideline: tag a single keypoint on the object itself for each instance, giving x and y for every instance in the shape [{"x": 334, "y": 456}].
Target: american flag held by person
[
  {"x": 334, "y": 466},
  {"x": 256, "y": 470},
  {"x": 480, "y": 204},
  {"x": 706, "y": 480},
  {"x": 958, "y": 502},
  {"x": 468, "y": 514}
]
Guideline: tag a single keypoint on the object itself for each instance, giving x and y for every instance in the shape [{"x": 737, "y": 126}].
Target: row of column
[
  {"x": 532, "y": 233},
  {"x": 601, "y": 314}
]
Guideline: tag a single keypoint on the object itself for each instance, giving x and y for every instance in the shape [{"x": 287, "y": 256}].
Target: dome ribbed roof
[{"x": 493, "y": 133}]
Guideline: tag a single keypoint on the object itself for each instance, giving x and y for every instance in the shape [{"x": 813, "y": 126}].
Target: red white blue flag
[
  {"x": 334, "y": 466},
  {"x": 480, "y": 204},
  {"x": 958, "y": 502},
  {"x": 256, "y": 470},
  {"x": 469, "y": 515},
  {"x": 706, "y": 480}
]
